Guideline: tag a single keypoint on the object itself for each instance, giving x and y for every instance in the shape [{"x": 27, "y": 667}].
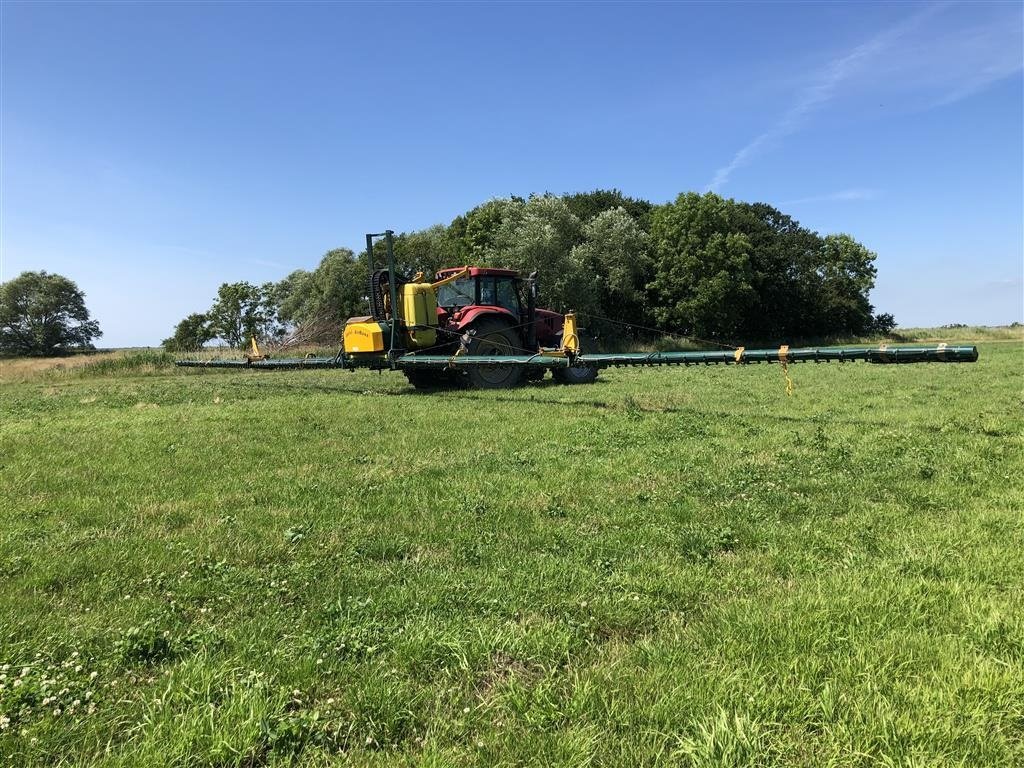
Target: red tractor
[{"x": 479, "y": 311}]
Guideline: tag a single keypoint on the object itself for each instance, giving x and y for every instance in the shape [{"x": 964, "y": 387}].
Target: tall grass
[{"x": 667, "y": 567}]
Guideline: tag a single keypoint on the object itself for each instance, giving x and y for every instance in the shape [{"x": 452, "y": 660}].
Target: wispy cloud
[
  {"x": 843, "y": 195},
  {"x": 950, "y": 64},
  {"x": 265, "y": 263}
]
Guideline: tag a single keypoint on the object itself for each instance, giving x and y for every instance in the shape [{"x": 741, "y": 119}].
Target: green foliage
[
  {"x": 428, "y": 251},
  {"x": 234, "y": 568},
  {"x": 616, "y": 249},
  {"x": 540, "y": 235},
  {"x": 847, "y": 274},
  {"x": 44, "y": 314},
  {"x": 725, "y": 269},
  {"x": 479, "y": 227},
  {"x": 703, "y": 271},
  {"x": 784, "y": 274},
  {"x": 243, "y": 310},
  {"x": 190, "y": 334},
  {"x": 325, "y": 297},
  {"x": 586, "y": 205}
]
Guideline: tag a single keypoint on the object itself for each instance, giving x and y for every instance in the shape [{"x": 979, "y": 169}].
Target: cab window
[
  {"x": 507, "y": 298},
  {"x": 457, "y": 294}
]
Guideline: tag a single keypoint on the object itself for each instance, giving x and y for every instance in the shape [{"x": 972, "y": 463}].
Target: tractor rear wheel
[{"x": 494, "y": 337}]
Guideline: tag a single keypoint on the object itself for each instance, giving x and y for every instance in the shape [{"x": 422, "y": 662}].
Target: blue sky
[{"x": 152, "y": 151}]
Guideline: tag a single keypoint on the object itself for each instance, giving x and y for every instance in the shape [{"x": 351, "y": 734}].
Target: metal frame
[
  {"x": 940, "y": 353},
  {"x": 395, "y": 319}
]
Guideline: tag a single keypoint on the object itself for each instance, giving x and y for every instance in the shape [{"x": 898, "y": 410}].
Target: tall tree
[
  {"x": 586, "y": 205},
  {"x": 702, "y": 272},
  {"x": 540, "y": 234},
  {"x": 428, "y": 250},
  {"x": 615, "y": 249},
  {"x": 44, "y": 314},
  {"x": 190, "y": 334},
  {"x": 784, "y": 273},
  {"x": 243, "y": 310},
  {"x": 327, "y": 296},
  {"x": 479, "y": 228},
  {"x": 847, "y": 276}
]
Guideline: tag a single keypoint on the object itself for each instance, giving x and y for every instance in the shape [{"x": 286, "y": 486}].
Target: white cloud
[
  {"x": 928, "y": 60},
  {"x": 840, "y": 196}
]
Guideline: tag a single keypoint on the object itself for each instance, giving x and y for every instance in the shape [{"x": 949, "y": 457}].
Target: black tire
[
  {"x": 534, "y": 373},
  {"x": 426, "y": 379},
  {"x": 580, "y": 374},
  {"x": 494, "y": 337}
]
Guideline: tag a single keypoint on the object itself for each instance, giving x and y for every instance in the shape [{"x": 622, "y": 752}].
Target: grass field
[{"x": 668, "y": 567}]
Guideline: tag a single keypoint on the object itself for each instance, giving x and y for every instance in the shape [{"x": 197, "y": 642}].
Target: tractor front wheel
[{"x": 494, "y": 337}]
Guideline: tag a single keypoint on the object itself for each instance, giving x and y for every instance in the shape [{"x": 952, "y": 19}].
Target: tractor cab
[
  {"x": 479, "y": 291},
  {"x": 481, "y": 287}
]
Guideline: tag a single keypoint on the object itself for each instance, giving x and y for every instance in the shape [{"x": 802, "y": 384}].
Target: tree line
[{"x": 701, "y": 266}]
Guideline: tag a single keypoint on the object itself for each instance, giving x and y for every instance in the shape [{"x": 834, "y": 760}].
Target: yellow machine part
[
  {"x": 363, "y": 334},
  {"x": 419, "y": 311}
]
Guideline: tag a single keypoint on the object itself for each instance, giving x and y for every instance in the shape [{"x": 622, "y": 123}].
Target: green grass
[{"x": 668, "y": 567}]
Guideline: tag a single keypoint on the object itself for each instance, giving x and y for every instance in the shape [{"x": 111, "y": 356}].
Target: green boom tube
[{"x": 881, "y": 355}]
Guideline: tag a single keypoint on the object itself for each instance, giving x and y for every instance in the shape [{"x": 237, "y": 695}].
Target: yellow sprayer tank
[
  {"x": 419, "y": 310},
  {"x": 364, "y": 334}
]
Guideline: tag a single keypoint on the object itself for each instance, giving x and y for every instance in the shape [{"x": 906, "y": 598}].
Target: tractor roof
[{"x": 479, "y": 272}]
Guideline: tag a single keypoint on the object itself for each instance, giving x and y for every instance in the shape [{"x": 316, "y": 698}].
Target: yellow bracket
[
  {"x": 570, "y": 336},
  {"x": 254, "y": 351},
  {"x": 464, "y": 272},
  {"x": 784, "y": 359},
  {"x": 738, "y": 354},
  {"x": 570, "y": 340}
]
